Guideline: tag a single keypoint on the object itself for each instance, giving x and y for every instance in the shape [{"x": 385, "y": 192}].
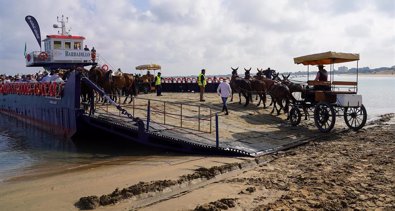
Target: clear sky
[{"x": 184, "y": 36}]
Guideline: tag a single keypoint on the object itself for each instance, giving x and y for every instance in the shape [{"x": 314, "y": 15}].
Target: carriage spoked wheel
[
  {"x": 295, "y": 116},
  {"x": 324, "y": 117},
  {"x": 355, "y": 117}
]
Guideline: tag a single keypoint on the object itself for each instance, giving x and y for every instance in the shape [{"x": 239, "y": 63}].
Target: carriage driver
[
  {"x": 322, "y": 75},
  {"x": 158, "y": 85}
]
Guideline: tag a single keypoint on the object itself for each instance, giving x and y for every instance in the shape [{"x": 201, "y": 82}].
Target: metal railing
[{"x": 175, "y": 114}]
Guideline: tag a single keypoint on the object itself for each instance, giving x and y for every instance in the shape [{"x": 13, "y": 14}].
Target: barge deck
[{"x": 178, "y": 121}]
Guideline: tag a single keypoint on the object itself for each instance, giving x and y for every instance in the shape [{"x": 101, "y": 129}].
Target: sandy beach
[{"x": 341, "y": 170}]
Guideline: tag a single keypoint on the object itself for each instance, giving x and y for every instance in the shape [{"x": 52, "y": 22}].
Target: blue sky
[{"x": 185, "y": 36}]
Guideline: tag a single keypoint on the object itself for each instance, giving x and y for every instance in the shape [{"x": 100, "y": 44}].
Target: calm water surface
[
  {"x": 378, "y": 92},
  {"x": 24, "y": 148}
]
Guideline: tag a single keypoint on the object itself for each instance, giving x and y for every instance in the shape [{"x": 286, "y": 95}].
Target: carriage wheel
[
  {"x": 355, "y": 118},
  {"x": 295, "y": 116},
  {"x": 324, "y": 117}
]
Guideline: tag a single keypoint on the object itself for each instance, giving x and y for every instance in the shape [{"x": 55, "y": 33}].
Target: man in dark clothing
[
  {"x": 322, "y": 75},
  {"x": 202, "y": 84},
  {"x": 93, "y": 54},
  {"x": 158, "y": 85},
  {"x": 268, "y": 73}
]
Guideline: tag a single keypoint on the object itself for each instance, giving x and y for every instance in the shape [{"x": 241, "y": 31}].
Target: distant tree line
[{"x": 344, "y": 70}]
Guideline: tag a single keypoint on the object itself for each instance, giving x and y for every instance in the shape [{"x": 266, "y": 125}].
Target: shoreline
[{"x": 252, "y": 179}]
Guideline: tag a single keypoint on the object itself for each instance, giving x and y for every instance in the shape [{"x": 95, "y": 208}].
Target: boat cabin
[{"x": 62, "y": 51}]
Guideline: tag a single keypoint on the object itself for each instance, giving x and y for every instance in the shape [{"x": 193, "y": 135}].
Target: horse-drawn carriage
[
  {"x": 146, "y": 83},
  {"x": 331, "y": 98}
]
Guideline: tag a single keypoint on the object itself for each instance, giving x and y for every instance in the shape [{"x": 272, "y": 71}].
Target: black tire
[
  {"x": 295, "y": 116},
  {"x": 355, "y": 117},
  {"x": 324, "y": 117}
]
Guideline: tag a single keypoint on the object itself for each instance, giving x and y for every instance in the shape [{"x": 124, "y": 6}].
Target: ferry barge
[{"x": 54, "y": 106}]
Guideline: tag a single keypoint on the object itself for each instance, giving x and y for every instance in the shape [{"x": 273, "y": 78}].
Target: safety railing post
[
  {"x": 133, "y": 105},
  {"x": 181, "y": 116},
  {"x": 211, "y": 116},
  {"x": 199, "y": 119},
  {"x": 148, "y": 114},
  {"x": 164, "y": 112},
  {"x": 216, "y": 131}
]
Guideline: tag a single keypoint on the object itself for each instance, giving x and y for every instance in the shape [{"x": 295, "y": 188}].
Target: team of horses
[
  {"x": 113, "y": 84},
  {"x": 279, "y": 90}
]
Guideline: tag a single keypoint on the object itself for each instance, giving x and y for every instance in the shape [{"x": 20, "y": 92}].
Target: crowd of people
[
  {"x": 41, "y": 76},
  {"x": 223, "y": 89}
]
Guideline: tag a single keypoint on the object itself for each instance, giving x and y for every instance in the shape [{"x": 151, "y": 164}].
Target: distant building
[{"x": 343, "y": 69}]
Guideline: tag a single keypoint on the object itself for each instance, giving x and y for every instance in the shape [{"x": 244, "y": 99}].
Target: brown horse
[
  {"x": 117, "y": 84},
  {"x": 96, "y": 75},
  {"x": 102, "y": 79},
  {"x": 240, "y": 85},
  {"x": 258, "y": 87},
  {"x": 294, "y": 87},
  {"x": 130, "y": 87},
  {"x": 277, "y": 91}
]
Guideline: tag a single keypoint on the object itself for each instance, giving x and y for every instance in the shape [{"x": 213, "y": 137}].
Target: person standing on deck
[
  {"x": 93, "y": 54},
  {"x": 268, "y": 73},
  {"x": 224, "y": 91},
  {"x": 202, "y": 84},
  {"x": 158, "y": 85},
  {"x": 46, "y": 78}
]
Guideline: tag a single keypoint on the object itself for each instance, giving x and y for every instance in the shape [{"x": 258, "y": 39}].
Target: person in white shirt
[
  {"x": 46, "y": 78},
  {"x": 224, "y": 91},
  {"x": 56, "y": 78}
]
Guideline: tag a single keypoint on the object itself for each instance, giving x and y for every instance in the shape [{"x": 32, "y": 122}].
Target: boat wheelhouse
[{"x": 62, "y": 50}]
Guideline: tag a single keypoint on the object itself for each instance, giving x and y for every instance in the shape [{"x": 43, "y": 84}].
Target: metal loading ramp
[{"x": 180, "y": 124}]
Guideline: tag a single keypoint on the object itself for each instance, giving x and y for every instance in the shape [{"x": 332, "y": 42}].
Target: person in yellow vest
[
  {"x": 202, "y": 84},
  {"x": 158, "y": 85}
]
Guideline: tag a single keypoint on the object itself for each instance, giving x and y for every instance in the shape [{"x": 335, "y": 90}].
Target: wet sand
[{"x": 344, "y": 169}]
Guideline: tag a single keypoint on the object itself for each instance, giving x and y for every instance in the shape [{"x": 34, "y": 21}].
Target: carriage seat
[{"x": 336, "y": 87}]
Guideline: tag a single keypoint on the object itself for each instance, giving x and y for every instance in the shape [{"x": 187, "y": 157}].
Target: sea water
[
  {"x": 24, "y": 148},
  {"x": 378, "y": 91},
  {"x": 378, "y": 94}
]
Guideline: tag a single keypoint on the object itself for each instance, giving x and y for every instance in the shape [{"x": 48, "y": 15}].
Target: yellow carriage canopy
[
  {"x": 326, "y": 58},
  {"x": 148, "y": 67}
]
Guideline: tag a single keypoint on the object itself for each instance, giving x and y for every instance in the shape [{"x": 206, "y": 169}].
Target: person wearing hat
[
  {"x": 202, "y": 84},
  {"x": 322, "y": 75},
  {"x": 158, "y": 85}
]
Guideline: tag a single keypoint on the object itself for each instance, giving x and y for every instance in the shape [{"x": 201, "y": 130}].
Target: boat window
[
  {"x": 57, "y": 44},
  {"x": 77, "y": 45},
  {"x": 47, "y": 46},
  {"x": 67, "y": 45}
]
